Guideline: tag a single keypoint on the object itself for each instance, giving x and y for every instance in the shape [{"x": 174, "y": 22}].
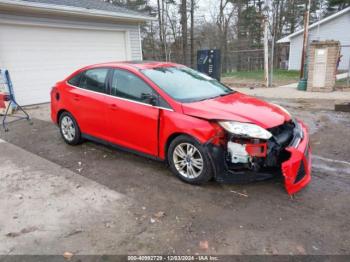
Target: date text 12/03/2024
[{"x": 173, "y": 258}]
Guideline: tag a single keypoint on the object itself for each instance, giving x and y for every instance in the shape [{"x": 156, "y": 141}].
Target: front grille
[
  {"x": 307, "y": 152},
  {"x": 301, "y": 173}
]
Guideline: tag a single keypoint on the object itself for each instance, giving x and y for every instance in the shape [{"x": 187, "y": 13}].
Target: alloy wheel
[
  {"x": 188, "y": 160},
  {"x": 68, "y": 128}
]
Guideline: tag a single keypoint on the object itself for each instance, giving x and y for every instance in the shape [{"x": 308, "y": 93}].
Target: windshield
[{"x": 186, "y": 85}]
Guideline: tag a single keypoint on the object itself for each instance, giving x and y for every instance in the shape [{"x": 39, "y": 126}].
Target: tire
[
  {"x": 67, "y": 124},
  {"x": 189, "y": 170}
]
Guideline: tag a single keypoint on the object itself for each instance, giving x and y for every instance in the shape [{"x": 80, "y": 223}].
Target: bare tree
[
  {"x": 192, "y": 33},
  {"x": 174, "y": 50},
  {"x": 183, "y": 13},
  {"x": 160, "y": 11},
  {"x": 223, "y": 20}
]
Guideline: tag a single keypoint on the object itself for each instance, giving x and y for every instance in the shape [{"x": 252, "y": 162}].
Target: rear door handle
[
  {"x": 76, "y": 98},
  {"x": 113, "y": 107}
]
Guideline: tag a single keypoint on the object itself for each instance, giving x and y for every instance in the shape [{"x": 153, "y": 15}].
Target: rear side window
[
  {"x": 94, "y": 80},
  {"x": 129, "y": 86}
]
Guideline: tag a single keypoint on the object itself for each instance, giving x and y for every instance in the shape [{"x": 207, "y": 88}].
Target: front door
[{"x": 133, "y": 121}]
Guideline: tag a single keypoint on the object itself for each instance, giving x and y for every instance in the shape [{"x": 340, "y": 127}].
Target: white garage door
[{"x": 37, "y": 57}]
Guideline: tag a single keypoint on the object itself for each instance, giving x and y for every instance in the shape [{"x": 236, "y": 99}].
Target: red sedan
[{"x": 200, "y": 127}]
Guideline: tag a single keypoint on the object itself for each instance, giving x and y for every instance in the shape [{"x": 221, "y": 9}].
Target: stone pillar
[{"x": 322, "y": 65}]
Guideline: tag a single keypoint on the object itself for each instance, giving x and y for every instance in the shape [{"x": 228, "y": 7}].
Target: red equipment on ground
[
  {"x": 3, "y": 99},
  {"x": 6, "y": 83}
]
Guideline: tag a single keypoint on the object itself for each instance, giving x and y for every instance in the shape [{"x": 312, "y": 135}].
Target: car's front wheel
[
  {"x": 69, "y": 129},
  {"x": 189, "y": 161}
]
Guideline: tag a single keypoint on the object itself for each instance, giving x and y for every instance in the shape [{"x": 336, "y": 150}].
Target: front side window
[
  {"x": 185, "y": 84},
  {"x": 129, "y": 86},
  {"x": 94, "y": 80}
]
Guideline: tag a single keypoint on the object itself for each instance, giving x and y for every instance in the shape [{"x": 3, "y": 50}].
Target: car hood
[{"x": 238, "y": 107}]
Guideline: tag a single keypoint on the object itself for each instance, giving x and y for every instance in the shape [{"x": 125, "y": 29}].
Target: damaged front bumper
[{"x": 296, "y": 169}]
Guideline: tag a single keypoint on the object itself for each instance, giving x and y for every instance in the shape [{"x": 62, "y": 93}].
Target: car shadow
[{"x": 122, "y": 171}]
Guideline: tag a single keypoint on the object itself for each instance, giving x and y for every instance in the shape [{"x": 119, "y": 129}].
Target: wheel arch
[
  {"x": 78, "y": 135},
  {"x": 61, "y": 111},
  {"x": 207, "y": 159},
  {"x": 172, "y": 137}
]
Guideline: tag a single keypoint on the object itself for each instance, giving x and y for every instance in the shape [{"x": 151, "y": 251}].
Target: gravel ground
[{"x": 168, "y": 216}]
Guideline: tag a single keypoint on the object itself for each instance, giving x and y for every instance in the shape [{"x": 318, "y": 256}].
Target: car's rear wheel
[
  {"x": 189, "y": 161},
  {"x": 69, "y": 129}
]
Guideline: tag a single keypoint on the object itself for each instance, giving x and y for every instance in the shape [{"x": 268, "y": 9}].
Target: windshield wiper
[
  {"x": 221, "y": 95},
  {"x": 226, "y": 94},
  {"x": 207, "y": 98}
]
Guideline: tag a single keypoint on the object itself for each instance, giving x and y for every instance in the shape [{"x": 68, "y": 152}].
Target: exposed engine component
[
  {"x": 237, "y": 153},
  {"x": 255, "y": 154}
]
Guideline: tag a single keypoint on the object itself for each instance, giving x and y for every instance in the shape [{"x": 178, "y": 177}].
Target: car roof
[{"x": 136, "y": 64}]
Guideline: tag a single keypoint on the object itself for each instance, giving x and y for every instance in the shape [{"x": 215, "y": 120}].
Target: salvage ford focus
[{"x": 200, "y": 127}]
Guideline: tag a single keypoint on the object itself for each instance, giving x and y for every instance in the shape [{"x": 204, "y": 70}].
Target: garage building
[{"x": 43, "y": 41}]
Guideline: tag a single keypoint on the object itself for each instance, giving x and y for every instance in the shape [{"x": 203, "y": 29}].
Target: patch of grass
[
  {"x": 256, "y": 75},
  {"x": 278, "y": 75},
  {"x": 342, "y": 83}
]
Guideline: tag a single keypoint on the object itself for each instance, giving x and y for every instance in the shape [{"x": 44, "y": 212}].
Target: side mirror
[{"x": 149, "y": 98}]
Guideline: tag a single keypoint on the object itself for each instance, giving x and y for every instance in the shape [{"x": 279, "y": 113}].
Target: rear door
[
  {"x": 132, "y": 120},
  {"x": 87, "y": 98}
]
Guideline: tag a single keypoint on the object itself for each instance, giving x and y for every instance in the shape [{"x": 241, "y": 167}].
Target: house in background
[
  {"x": 43, "y": 41},
  {"x": 335, "y": 27}
]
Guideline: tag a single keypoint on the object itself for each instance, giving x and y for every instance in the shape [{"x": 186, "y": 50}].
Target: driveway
[
  {"x": 107, "y": 201},
  {"x": 45, "y": 208}
]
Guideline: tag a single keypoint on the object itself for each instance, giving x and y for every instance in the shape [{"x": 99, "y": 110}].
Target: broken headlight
[{"x": 245, "y": 129}]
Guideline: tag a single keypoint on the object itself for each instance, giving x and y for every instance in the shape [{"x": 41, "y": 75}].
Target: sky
[{"x": 204, "y": 10}]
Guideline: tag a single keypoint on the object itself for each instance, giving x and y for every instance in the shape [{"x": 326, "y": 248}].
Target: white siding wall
[
  {"x": 336, "y": 29},
  {"x": 132, "y": 30},
  {"x": 40, "y": 51},
  {"x": 296, "y": 47}
]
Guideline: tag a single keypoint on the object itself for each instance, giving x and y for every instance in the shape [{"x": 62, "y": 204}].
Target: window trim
[
  {"x": 109, "y": 88},
  {"x": 120, "y": 98}
]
